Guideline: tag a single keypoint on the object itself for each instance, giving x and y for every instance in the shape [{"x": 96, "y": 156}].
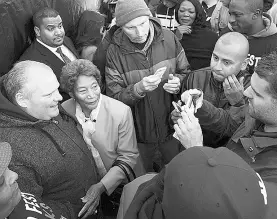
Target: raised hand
[
  {"x": 233, "y": 89},
  {"x": 173, "y": 84}
]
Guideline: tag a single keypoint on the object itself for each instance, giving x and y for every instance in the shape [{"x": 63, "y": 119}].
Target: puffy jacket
[
  {"x": 126, "y": 65},
  {"x": 51, "y": 158}
]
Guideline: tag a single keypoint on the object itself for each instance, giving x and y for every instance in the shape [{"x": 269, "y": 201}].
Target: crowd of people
[{"x": 156, "y": 110}]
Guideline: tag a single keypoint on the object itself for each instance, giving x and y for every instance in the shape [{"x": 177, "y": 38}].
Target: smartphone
[{"x": 177, "y": 106}]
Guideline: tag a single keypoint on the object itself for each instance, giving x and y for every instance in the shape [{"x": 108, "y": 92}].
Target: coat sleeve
[
  {"x": 30, "y": 182},
  {"x": 115, "y": 85},
  {"x": 182, "y": 64},
  {"x": 218, "y": 120},
  {"x": 127, "y": 151}
]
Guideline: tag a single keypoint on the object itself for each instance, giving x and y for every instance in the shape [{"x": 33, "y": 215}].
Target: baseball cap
[
  {"x": 5, "y": 156},
  {"x": 203, "y": 182}
]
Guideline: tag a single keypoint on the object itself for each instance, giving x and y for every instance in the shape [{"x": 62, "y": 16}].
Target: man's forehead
[
  {"x": 227, "y": 52},
  {"x": 51, "y": 20},
  {"x": 137, "y": 21},
  {"x": 259, "y": 84}
]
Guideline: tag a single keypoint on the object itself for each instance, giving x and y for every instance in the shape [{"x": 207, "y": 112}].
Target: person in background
[
  {"x": 15, "y": 204},
  {"x": 268, "y": 5},
  {"x": 99, "y": 58},
  {"x": 197, "y": 40},
  {"x": 51, "y": 46},
  {"x": 105, "y": 123},
  {"x": 166, "y": 12},
  {"x": 89, "y": 33},
  {"x": 49, "y": 154},
  {"x": 248, "y": 18},
  {"x": 145, "y": 66},
  {"x": 217, "y": 15}
]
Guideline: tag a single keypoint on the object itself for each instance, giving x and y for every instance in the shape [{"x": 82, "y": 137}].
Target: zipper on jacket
[
  {"x": 220, "y": 90},
  {"x": 150, "y": 105}
]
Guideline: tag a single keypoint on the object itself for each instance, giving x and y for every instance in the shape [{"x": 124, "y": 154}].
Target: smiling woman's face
[
  {"x": 10, "y": 194},
  {"x": 186, "y": 13},
  {"x": 87, "y": 92}
]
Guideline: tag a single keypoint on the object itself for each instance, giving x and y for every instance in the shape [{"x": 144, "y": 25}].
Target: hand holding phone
[{"x": 177, "y": 106}]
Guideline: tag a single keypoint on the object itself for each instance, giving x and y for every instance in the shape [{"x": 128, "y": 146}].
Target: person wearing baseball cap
[
  {"x": 145, "y": 64},
  {"x": 15, "y": 204},
  {"x": 204, "y": 183}
]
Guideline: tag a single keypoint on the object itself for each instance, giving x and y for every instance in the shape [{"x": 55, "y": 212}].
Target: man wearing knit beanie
[{"x": 144, "y": 68}]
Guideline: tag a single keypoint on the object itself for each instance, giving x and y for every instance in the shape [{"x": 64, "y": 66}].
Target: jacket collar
[
  {"x": 45, "y": 49},
  {"x": 270, "y": 27},
  {"x": 252, "y": 137}
]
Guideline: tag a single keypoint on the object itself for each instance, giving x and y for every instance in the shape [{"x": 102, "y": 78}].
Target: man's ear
[
  {"x": 244, "y": 64},
  {"x": 37, "y": 31},
  {"x": 21, "y": 100},
  {"x": 257, "y": 13}
]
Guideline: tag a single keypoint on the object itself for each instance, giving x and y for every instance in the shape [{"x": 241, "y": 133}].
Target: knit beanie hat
[{"x": 127, "y": 10}]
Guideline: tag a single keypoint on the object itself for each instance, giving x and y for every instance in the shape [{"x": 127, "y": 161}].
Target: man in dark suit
[{"x": 51, "y": 46}]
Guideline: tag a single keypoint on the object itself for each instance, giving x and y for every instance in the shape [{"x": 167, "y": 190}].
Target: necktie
[{"x": 64, "y": 57}]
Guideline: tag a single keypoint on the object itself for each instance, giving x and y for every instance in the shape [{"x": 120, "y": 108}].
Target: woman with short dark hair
[{"x": 106, "y": 124}]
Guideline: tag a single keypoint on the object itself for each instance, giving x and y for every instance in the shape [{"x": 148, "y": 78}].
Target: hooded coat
[
  {"x": 126, "y": 65},
  {"x": 50, "y": 157}
]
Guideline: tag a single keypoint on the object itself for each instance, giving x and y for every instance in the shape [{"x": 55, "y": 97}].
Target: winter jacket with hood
[
  {"x": 261, "y": 43},
  {"x": 126, "y": 65},
  {"x": 51, "y": 158}
]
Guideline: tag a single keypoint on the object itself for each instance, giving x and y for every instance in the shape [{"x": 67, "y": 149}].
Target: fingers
[
  {"x": 153, "y": 79},
  {"x": 89, "y": 208},
  {"x": 226, "y": 84},
  {"x": 174, "y": 80},
  {"x": 233, "y": 81},
  {"x": 186, "y": 121},
  {"x": 175, "y": 115},
  {"x": 177, "y": 129},
  {"x": 171, "y": 88},
  {"x": 241, "y": 81}
]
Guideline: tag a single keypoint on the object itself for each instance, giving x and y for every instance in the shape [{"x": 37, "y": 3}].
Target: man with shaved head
[
  {"x": 247, "y": 17},
  {"x": 49, "y": 153},
  {"x": 223, "y": 82}
]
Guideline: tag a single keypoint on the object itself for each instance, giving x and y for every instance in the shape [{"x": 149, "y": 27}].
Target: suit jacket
[
  {"x": 114, "y": 137},
  {"x": 38, "y": 52}
]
